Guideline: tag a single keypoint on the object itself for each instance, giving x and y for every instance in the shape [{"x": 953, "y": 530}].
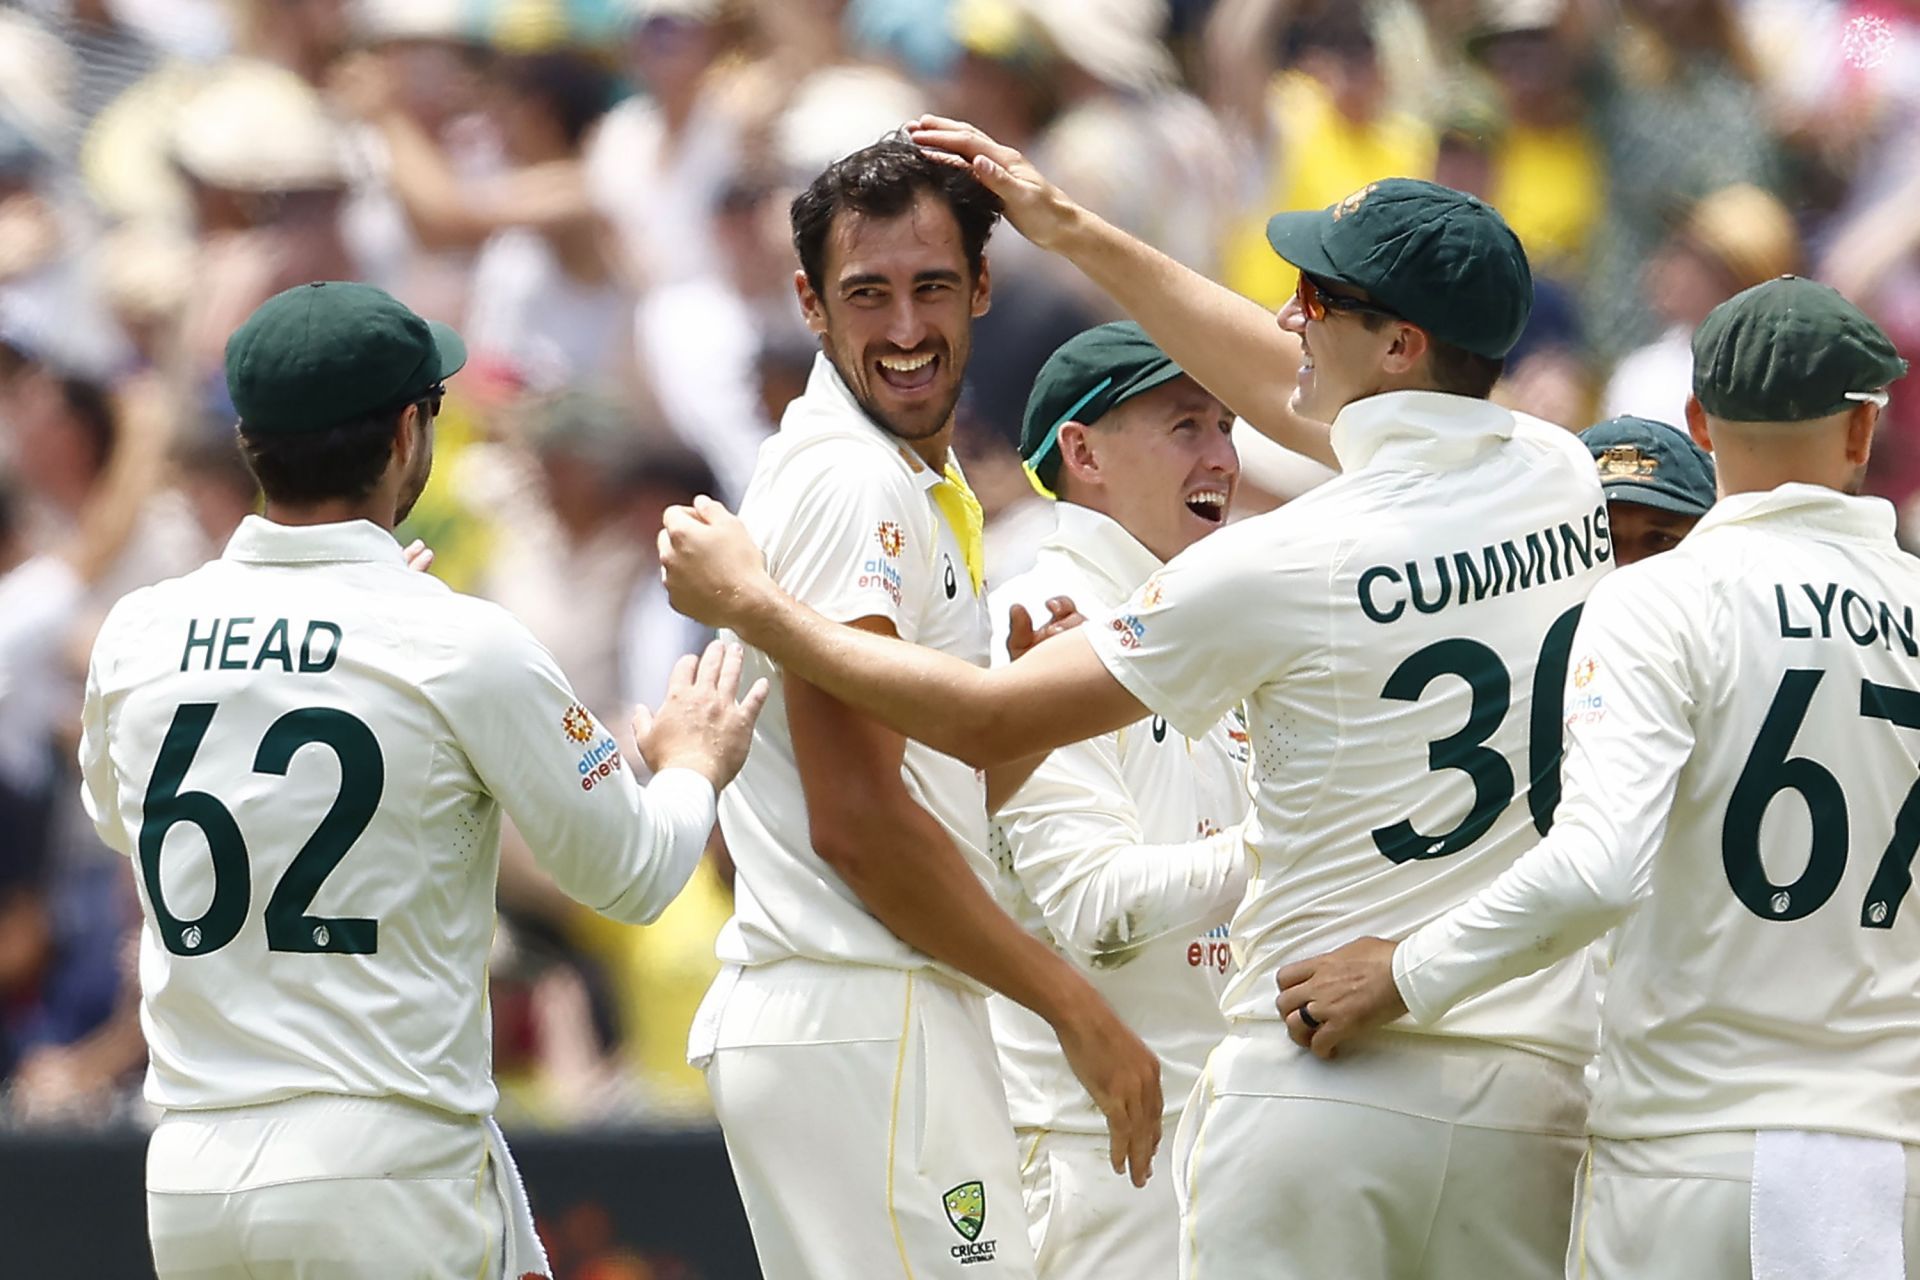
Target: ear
[
  {"x": 982, "y": 290},
  {"x": 1697, "y": 424},
  {"x": 1860, "y": 428},
  {"x": 1410, "y": 343},
  {"x": 812, "y": 307},
  {"x": 1077, "y": 455},
  {"x": 405, "y": 442}
]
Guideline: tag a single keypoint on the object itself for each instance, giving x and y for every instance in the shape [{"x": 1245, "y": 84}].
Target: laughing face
[
  {"x": 896, "y": 315},
  {"x": 1162, "y": 464}
]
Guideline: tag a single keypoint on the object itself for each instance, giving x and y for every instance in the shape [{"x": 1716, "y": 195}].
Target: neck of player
[{"x": 1757, "y": 457}]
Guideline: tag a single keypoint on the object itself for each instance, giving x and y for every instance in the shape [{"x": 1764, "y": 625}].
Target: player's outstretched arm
[
  {"x": 699, "y": 725},
  {"x": 903, "y": 866},
  {"x": 1056, "y": 694},
  {"x": 1231, "y": 345}
]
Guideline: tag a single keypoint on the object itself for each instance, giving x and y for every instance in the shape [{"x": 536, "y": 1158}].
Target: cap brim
[
  {"x": 1644, "y": 495},
  {"x": 452, "y": 349},
  {"x": 1299, "y": 237},
  {"x": 1155, "y": 376}
]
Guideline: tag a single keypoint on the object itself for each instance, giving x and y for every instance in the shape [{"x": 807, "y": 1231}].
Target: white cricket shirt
[
  {"x": 847, "y": 518},
  {"x": 1390, "y": 633},
  {"x": 1741, "y": 787},
  {"x": 1124, "y": 852},
  {"x": 305, "y": 747}
]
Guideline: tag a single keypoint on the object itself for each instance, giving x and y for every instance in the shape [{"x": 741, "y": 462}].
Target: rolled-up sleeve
[
  {"x": 1629, "y": 708},
  {"x": 622, "y": 849}
]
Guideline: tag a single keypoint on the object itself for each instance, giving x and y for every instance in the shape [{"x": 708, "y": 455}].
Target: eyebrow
[{"x": 943, "y": 275}]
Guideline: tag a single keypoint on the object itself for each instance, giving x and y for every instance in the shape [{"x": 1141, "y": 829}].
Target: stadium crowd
[{"x": 595, "y": 192}]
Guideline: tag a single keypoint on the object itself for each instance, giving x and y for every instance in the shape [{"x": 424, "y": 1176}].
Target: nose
[
  {"x": 1290, "y": 317},
  {"x": 1221, "y": 457},
  {"x": 906, "y": 327}
]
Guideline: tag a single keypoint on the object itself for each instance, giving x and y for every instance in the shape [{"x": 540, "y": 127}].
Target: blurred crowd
[{"x": 594, "y": 192}]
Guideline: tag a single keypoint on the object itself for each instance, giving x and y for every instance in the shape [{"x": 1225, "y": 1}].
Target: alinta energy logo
[
  {"x": 1867, "y": 43},
  {"x": 576, "y": 723}
]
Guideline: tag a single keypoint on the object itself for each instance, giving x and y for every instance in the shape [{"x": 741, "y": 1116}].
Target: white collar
[
  {"x": 1103, "y": 545},
  {"x": 827, "y": 408},
  {"x": 1426, "y": 429},
  {"x": 1812, "y": 507},
  {"x": 259, "y": 540}
]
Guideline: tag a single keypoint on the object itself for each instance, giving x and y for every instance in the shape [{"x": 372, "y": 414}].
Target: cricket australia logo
[{"x": 966, "y": 1208}]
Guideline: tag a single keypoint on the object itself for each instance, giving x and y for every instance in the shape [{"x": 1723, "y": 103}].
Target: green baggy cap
[
  {"x": 319, "y": 355},
  {"x": 1651, "y": 464},
  {"x": 1436, "y": 257},
  {"x": 1086, "y": 376},
  {"x": 1789, "y": 350}
]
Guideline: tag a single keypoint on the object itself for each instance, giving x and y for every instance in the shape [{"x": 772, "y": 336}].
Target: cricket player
[
  {"x": 1741, "y": 801},
  {"x": 1398, "y": 636},
  {"x": 305, "y": 747},
  {"x": 846, "y": 1040},
  {"x": 1658, "y": 484},
  {"x": 1122, "y": 849}
]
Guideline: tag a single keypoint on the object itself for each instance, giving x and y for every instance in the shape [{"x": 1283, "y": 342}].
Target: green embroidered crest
[{"x": 967, "y": 1209}]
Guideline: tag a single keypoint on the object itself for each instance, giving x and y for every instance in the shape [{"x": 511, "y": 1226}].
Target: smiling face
[
  {"x": 1341, "y": 359},
  {"x": 1162, "y": 464},
  {"x": 895, "y": 315}
]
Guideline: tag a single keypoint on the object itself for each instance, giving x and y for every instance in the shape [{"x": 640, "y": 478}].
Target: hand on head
[{"x": 1039, "y": 210}]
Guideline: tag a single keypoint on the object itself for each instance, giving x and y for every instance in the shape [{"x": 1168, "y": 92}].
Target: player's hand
[
  {"x": 1123, "y": 1077},
  {"x": 1343, "y": 993},
  {"x": 713, "y": 570},
  {"x": 1022, "y": 635},
  {"x": 1037, "y": 209},
  {"x": 419, "y": 556},
  {"x": 699, "y": 725}
]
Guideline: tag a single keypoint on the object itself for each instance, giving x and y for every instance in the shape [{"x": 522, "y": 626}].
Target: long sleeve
[
  {"x": 624, "y": 850},
  {"x": 1079, "y": 852},
  {"x": 99, "y": 787},
  {"x": 1630, "y": 733}
]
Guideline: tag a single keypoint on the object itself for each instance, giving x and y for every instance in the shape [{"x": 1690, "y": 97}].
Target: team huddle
[{"x": 1386, "y": 886}]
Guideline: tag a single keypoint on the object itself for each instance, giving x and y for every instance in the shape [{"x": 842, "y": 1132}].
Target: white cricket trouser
[
  {"x": 281, "y": 1192},
  {"x": 866, "y": 1123},
  {"x": 1090, "y": 1223},
  {"x": 1407, "y": 1158},
  {"x": 1681, "y": 1208}
]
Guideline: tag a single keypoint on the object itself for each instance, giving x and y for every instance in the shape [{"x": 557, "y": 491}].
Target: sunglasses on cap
[
  {"x": 1882, "y": 397},
  {"x": 1315, "y": 301}
]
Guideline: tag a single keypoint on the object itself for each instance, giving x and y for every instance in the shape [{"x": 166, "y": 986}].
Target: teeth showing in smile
[
  {"x": 1209, "y": 504},
  {"x": 905, "y": 364}
]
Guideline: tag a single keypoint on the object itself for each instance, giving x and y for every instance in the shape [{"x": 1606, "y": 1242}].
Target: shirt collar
[
  {"x": 262, "y": 541},
  {"x": 1423, "y": 428},
  {"x": 1811, "y": 507},
  {"x": 828, "y": 408},
  {"x": 1102, "y": 544}
]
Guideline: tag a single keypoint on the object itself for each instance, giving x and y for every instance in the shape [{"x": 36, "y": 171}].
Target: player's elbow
[
  {"x": 849, "y": 837},
  {"x": 984, "y": 736}
]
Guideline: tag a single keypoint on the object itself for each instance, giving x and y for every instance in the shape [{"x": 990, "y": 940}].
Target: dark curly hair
[{"x": 883, "y": 181}]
